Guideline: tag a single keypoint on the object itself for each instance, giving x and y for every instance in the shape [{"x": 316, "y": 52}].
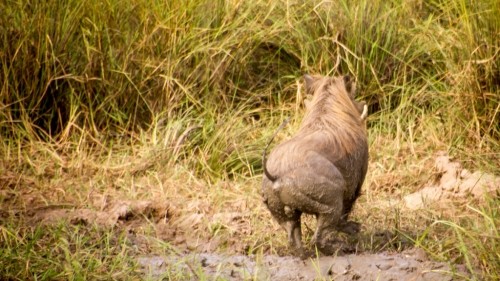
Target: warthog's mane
[{"x": 332, "y": 112}]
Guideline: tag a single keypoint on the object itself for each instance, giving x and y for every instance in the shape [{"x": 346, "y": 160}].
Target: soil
[
  {"x": 410, "y": 265},
  {"x": 201, "y": 256}
]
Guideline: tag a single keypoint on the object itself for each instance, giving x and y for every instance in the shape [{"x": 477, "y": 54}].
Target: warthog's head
[{"x": 350, "y": 86}]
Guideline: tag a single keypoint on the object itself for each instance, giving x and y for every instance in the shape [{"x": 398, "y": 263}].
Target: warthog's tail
[{"x": 264, "y": 159}]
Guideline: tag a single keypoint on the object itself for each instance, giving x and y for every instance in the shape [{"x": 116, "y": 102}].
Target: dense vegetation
[
  {"x": 95, "y": 70},
  {"x": 203, "y": 84}
]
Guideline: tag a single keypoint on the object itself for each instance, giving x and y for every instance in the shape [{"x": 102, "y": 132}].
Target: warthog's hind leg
[
  {"x": 293, "y": 229},
  {"x": 327, "y": 223}
]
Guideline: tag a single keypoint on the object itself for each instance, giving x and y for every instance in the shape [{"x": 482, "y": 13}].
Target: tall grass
[{"x": 105, "y": 68}]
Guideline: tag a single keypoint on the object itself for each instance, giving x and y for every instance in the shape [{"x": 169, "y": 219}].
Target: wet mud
[{"x": 409, "y": 265}]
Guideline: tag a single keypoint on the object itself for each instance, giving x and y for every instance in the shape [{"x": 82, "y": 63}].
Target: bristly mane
[{"x": 333, "y": 112}]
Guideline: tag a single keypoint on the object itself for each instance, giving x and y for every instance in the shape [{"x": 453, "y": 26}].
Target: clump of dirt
[
  {"x": 454, "y": 183},
  {"x": 180, "y": 228},
  {"x": 112, "y": 214},
  {"x": 409, "y": 265}
]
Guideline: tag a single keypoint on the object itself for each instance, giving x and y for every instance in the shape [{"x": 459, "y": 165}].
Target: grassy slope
[{"x": 107, "y": 90}]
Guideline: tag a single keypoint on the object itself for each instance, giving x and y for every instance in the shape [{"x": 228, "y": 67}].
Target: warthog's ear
[
  {"x": 362, "y": 109},
  {"x": 350, "y": 86},
  {"x": 308, "y": 79},
  {"x": 307, "y": 103}
]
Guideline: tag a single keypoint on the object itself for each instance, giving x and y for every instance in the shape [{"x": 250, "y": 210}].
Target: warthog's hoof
[{"x": 349, "y": 227}]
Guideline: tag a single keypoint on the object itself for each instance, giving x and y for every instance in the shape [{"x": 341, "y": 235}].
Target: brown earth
[{"x": 200, "y": 254}]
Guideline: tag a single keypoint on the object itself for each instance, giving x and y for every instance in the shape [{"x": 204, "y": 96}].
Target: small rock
[
  {"x": 420, "y": 255},
  {"x": 465, "y": 173},
  {"x": 449, "y": 181}
]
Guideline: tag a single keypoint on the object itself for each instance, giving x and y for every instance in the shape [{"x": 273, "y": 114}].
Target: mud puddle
[{"x": 409, "y": 265}]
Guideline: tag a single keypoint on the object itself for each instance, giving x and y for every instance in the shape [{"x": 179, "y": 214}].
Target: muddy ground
[
  {"x": 195, "y": 258},
  {"x": 198, "y": 256},
  {"x": 408, "y": 265}
]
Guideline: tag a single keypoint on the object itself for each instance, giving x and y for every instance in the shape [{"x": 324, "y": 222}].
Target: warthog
[{"x": 321, "y": 169}]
